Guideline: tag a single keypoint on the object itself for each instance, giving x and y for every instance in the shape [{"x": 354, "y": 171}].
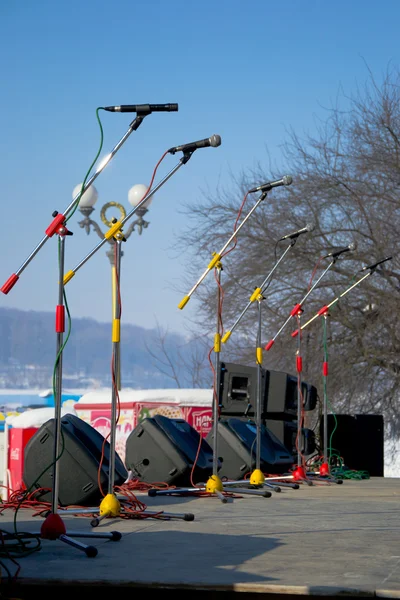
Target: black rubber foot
[
  {"x": 296, "y": 486},
  {"x": 277, "y": 489},
  {"x": 152, "y": 492},
  {"x": 94, "y": 522},
  {"x": 116, "y": 536},
  {"x": 188, "y": 517},
  {"x": 91, "y": 551},
  {"x": 267, "y": 494},
  {"x": 339, "y": 481}
]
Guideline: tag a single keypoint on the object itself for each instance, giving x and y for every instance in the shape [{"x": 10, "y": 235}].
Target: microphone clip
[{"x": 186, "y": 156}]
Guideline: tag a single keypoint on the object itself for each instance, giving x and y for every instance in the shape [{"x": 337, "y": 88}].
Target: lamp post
[{"x": 86, "y": 207}]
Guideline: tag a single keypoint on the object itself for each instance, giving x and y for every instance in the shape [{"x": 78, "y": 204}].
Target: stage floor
[{"x": 324, "y": 540}]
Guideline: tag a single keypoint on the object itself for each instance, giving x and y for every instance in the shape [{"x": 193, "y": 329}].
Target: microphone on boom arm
[
  {"x": 142, "y": 108},
  {"x": 339, "y": 251},
  {"x": 213, "y": 141},
  {"x": 295, "y": 234},
  {"x": 265, "y": 187},
  {"x": 373, "y": 266}
]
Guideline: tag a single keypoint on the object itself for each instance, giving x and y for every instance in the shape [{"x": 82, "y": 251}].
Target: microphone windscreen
[
  {"x": 310, "y": 226},
  {"x": 287, "y": 180},
  {"x": 353, "y": 246},
  {"x": 215, "y": 140}
]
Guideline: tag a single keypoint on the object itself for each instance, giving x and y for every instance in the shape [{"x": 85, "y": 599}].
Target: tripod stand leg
[
  {"x": 276, "y": 488},
  {"x": 250, "y": 491},
  {"x": 90, "y": 551}
]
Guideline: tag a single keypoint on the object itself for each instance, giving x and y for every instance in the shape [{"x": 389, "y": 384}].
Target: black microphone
[
  {"x": 214, "y": 141},
  {"x": 308, "y": 227},
  {"x": 336, "y": 253},
  {"x": 286, "y": 180},
  {"x": 140, "y": 108},
  {"x": 377, "y": 263}
]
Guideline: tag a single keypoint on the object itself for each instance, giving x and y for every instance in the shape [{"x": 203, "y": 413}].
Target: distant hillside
[{"x": 28, "y": 346}]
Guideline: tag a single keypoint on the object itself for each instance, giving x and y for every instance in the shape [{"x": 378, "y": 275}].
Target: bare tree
[
  {"x": 346, "y": 181},
  {"x": 183, "y": 361}
]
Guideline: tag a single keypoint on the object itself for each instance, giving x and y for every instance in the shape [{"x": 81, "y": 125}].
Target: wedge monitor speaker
[
  {"x": 79, "y": 465},
  {"x": 170, "y": 451},
  {"x": 237, "y": 451}
]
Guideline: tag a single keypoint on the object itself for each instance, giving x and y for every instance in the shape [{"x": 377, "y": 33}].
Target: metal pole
[
  {"x": 217, "y": 375},
  {"x": 115, "y": 366}
]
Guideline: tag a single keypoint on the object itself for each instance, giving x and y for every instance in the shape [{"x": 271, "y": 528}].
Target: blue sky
[{"x": 246, "y": 70}]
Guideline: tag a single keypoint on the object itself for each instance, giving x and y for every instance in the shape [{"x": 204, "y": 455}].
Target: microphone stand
[
  {"x": 214, "y": 485},
  {"x": 218, "y": 255},
  {"x": 53, "y": 527},
  {"x": 257, "y": 477},
  {"x": 299, "y": 474},
  {"x": 110, "y": 505},
  {"x": 324, "y": 470}
]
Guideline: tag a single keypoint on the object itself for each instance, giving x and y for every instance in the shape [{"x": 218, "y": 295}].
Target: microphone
[
  {"x": 214, "y": 141},
  {"x": 308, "y": 227},
  {"x": 286, "y": 180},
  {"x": 140, "y": 108},
  {"x": 336, "y": 253},
  {"x": 376, "y": 264}
]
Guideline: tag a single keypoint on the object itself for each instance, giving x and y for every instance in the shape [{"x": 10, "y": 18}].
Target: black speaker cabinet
[
  {"x": 238, "y": 393},
  {"x": 160, "y": 449},
  {"x": 358, "y": 439},
  {"x": 286, "y": 432},
  {"x": 238, "y": 389},
  {"x": 237, "y": 449},
  {"x": 78, "y": 464},
  {"x": 281, "y": 396}
]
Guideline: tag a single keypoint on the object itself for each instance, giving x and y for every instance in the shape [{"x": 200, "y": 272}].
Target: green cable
[{"x": 91, "y": 166}]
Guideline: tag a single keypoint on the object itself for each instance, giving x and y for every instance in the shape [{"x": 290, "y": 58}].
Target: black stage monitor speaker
[
  {"x": 237, "y": 452},
  {"x": 165, "y": 450},
  {"x": 238, "y": 389},
  {"x": 281, "y": 395},
  {"x": 78, "y": 465},
  {"x": 238, "y": 393},
  {"x": 359, "y": 440},
  {"x": 286, "y": 432}
]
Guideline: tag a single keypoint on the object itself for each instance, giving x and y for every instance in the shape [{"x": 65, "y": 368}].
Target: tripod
[{"x": 324, "y": 471}]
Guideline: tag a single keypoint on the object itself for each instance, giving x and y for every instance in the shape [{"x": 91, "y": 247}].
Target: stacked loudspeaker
[{"x": 238, "y": 398}]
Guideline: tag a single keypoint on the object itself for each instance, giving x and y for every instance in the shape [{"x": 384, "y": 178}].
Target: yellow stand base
[
  {"x": 257, "y": 477},
  {"x": 110, "y": 506},
  {"x": 214, "y": 484}
]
